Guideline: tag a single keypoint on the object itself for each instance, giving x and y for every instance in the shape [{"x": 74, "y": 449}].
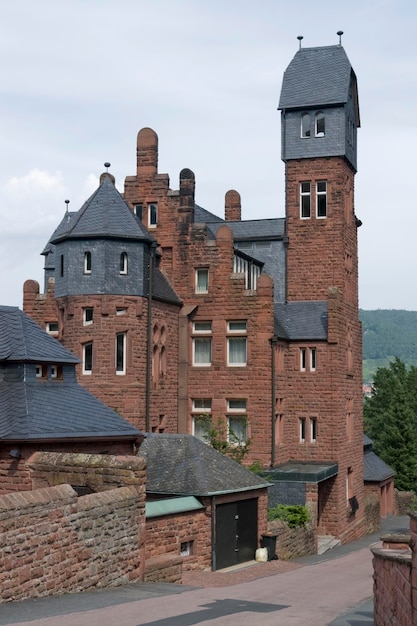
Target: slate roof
[
  {"x": 374, "y": 468},
  {"x": 162, "y": 288},
  {"x": 184, "y": 465},
  {"x": 316, "y": 77},
  {"x": 251, "y": 230},
  {"x": 305, "y": 321},
  {"x": 31, "y": 409},
  {"x": 202, "y": 216},
  {"x": 104, "y": 215},
  {"x": 22, "y": 340}
]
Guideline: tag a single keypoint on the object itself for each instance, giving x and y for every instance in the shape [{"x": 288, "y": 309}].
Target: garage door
[{"x": 236, "y": 532}]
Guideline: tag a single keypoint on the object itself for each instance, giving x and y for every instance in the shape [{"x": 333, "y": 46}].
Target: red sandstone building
[{"x": 177, "y": 314}]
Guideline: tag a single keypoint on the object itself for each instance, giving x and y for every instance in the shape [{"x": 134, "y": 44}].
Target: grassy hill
[{"x": 387, "y": 333}]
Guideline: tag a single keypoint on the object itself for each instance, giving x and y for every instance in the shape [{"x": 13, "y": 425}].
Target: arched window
[
  {"x": 87, "y": 262},
  {"x": 305, "y": 125},
  {"x": 319, "y": 124},
  {"x": 123, "y": 263}
]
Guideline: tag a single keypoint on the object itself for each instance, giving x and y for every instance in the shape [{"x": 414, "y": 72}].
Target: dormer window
[
  {"x": 87, "y": 262},
  {"x": 123, "y": 263},
  {"x": 305, "y": 125},
  {"x": 41, "y": 371},
  {"x": 56, "y": 372},
  {"x": 319, "y": 124}
]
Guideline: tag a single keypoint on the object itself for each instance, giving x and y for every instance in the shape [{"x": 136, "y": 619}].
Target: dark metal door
[{"x": 236, "y": 532}]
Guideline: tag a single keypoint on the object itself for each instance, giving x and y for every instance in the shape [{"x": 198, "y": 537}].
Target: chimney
[{"x": 232, "y": 208}]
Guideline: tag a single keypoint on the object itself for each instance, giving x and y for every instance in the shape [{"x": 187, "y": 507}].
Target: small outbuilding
[{"x": 201, "y": 504}]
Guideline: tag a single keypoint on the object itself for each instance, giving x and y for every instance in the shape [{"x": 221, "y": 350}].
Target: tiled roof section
[
  {"x": 305, "y": 321},
  {"x": 375, "y": 469},
  {"x": 21, "y": 339},
  {"x": 202, "y": 216},
  {"x": 57, "y": 410},
  {"x": 162, "y": 289},
  {"x": 62, "y": 228},
  {"x": 316, "y": 77},
  {"x": 251, "y": 230},
  {"x": 104, "y": 214},
  {"x": 184, "y": 465}
]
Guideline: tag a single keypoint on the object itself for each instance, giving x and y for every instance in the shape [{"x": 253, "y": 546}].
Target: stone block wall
[
  {"x": 53, "y": 542},
  {"x": 395, "y": 580},
  {"x": 292, "y": 542},
  {"x": 165, "y": 535}
]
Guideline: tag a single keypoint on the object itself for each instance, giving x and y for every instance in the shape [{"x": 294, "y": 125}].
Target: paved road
[{"x": 333, "y": 590}]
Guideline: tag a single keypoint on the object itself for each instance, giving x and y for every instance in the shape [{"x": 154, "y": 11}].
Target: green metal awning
[
  {"x": 303, "y": 472},
  {"x": 169, "y": 506}
]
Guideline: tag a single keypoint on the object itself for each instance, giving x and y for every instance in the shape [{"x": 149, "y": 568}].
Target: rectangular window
[
  {"x": 62, "y": 265},
  {"x": 88, "y": 316},
  {"x": 313, "y": 429},
  {"x": 321, "y": 199},
  {"x": 52, "y": 328},
  {"x": 313, "y": 359},
  {"x": 138, "y": 210},
  {"x": 201, "y": 408},
  {"x": 305, "y": 200},
  {"x": 201, "y": 280},
  {"x": 87, "y": 360},
  {"x": 237, "y": 423},
  {"x": 121, "y": 353},
  {"x": 302, "y": 429},
  {"x": 187, "y": 548},
  {"x": 303, "y": 359},
  {"x": 237, "y": 346},
  {"x": 41, "y": 371},
  {"x": 56, "y": 372},
  {"x": 87, "y": 262},
  {"x": 152, "y": 215},
  {"x": 202, "y": 344}
]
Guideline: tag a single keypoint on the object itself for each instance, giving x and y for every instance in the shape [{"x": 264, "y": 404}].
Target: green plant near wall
[
  {"x": 223, "y": 439},
  {"x": 295, "y": 515}
]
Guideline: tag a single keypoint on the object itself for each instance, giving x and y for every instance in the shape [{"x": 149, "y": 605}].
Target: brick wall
[
  {"x": 16, "y": 475},
  {"x": 166, "y": 534},
  {"x": 395, "y": 580},
  {"x": 53, "y": 542}
]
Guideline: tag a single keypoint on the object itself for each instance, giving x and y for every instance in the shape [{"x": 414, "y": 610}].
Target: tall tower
[{"x": 319, "y": 122}]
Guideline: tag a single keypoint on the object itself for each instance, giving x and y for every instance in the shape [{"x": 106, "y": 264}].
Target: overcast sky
[{"x": 80, "y": 78}]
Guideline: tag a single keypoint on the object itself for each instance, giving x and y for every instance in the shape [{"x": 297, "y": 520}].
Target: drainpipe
[
  {"x": 213, "y": 534},
  {"x": 274, "y": 342},
  {"x": 152, "y": 247}
]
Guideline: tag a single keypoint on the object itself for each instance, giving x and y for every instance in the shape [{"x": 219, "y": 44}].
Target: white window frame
[
  {"x": 52, "y": 328},
  {"x": 236, "y": 410},
  {"x": 322, "y": 193},
  {"x": 123, "y": 263},
  {"x": 152, "y": 214},
  {"x": 41, "y": 370},
  {"x": 305, "y": 193},
  {"x": 199, "y": 274},
  {"x": 203, "y": 331},
  {"x": 237, "y": 331},
  {"x": 87, "y": 346},
  {"x": 313, "y": 359},
  {"x": 120, "y": 342},
  {"x": 201, "y": 407},
  {"x": 319, "y": 116},
  {"x": 121, "y": 311},
  {"x": 87, "y": 262},
  {"x": 86, "y": 314},
  {"x": 305, "y": 126}
]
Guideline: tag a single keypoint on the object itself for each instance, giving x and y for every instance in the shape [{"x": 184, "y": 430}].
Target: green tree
[{"x": 390, "y": 416}]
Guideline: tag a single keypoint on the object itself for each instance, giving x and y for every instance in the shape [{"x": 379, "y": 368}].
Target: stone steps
[{"x": 326, "y": 542}]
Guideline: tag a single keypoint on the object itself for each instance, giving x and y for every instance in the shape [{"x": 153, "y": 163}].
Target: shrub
[{"x": 294, "y": 515}]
